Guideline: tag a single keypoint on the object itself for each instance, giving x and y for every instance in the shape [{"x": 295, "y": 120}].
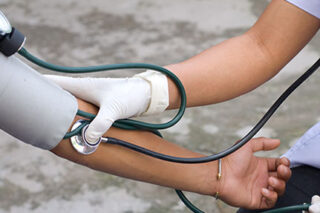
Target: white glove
[
  {"x": 118, "y": 98},
  {"x": 315, "y": 207}
]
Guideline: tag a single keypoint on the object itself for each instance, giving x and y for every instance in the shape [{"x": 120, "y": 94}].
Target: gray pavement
[{"x": 78, "y": 33}]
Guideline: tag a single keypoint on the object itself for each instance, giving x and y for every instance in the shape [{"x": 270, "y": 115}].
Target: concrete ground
[{"x": 78, "y": 33}]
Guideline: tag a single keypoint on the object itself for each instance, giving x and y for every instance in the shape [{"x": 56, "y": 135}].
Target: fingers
[
  {"x": 264, "y": 144},
  {"x": 73, "y": 85},
  {"x": 279, "y": 173},
  {"x": 67, "y": 83},
  {"x": 99, "y": 125},
  {"x": 273, "y": 163},
  {"x": 284, "y": 172},
  {"x": 285, "y": 161},
  {"x": 279, "y": 167},
  {"x": 277, "y": 180},
  {"x": 269, "y": 198},
  {"x": 278, "y": 185}
]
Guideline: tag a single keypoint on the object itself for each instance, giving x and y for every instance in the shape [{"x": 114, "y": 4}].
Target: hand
[
  {"x": 254, "y": 182},
  {"x": 118, "y": 98}
]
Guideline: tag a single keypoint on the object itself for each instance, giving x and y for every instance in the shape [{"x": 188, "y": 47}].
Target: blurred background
[{"x": 79, "y": 33}]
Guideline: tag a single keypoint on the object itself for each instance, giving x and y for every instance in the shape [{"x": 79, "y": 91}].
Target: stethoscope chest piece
[{"x": 79, "y": 142}]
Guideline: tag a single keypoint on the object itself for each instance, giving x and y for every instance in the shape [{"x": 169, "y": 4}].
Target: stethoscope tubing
[{"x": 132, "y": 124}]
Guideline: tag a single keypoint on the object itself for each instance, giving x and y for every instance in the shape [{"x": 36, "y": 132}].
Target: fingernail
[
  {"x": 286, "y": 161},
  {"x": 272, "y": 181},
  {"x": 265, "y": 191}
]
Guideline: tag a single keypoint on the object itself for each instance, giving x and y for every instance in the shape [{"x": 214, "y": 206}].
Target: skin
[
  {"x": 259, "y": 180},
  {"x": 233, "y": 67},
  {"x": 240, "y": 64}
]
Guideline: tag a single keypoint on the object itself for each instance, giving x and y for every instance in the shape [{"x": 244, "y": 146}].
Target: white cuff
[{"x": 159, "y": 91}]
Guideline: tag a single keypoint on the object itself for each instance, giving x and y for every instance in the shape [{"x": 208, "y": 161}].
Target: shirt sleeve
[
  {"x": 306, "y": 150},
  {"x": 310, "y": 6}
]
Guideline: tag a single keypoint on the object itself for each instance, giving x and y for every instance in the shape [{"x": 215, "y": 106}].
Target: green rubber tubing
[
  {"x": 133, "y": 124},
  {"x": 302, "y": 207},
  {"x": 125, "y": 123}
]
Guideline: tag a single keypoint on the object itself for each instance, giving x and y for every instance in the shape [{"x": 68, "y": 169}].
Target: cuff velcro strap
[{"x": 159, "y": 91}]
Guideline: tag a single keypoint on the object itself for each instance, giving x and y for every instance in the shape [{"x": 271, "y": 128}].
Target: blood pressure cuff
[{"x": 33, "y": 109}]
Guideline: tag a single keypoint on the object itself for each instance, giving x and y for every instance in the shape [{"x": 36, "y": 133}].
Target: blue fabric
[
  {"x": 310, "y": 6},
  {"x": 306, "y": 151}
]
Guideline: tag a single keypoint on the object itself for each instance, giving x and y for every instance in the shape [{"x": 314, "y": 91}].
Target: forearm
[
  {"x": 241, "y": 64},
  {"x": 120, "y": 161},
  {"x": 220, "y": 73}
]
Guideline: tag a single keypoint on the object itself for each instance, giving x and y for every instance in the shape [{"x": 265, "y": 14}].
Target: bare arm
[
  {"x": 126, "y": 163},
  {"x": 199, "y": 178},
  {"x": 222, "y": 72},
  {"x": 241, "y": 64}
]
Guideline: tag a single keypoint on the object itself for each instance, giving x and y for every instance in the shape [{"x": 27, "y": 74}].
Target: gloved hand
[
  {"x": 118, "y": 98},
  {"x": 315, "y": 207}
]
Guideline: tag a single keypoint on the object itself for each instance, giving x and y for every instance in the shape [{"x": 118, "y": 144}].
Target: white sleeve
[
  {"x": 33, "y": 109},
  {"x": 310, "y": 6},
  {"x": 306, "y": 150}
]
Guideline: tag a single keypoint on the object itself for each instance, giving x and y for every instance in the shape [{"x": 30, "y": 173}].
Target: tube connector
[{"x": 11, "y": 39}]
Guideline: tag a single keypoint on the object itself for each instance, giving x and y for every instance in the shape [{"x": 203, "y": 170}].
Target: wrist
[
  {"x": 214, "y": 186},
  {"x": 159, "y": 91},
  {"x": 221, "y": 183}
]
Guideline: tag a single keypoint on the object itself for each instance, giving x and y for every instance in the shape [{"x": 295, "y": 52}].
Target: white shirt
[
  {"x": 306, "y": 151},
  {"x": 310, "y": 6}
]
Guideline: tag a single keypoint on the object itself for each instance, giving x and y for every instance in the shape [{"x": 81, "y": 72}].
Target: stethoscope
[{"x": 12, "y": 41}]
